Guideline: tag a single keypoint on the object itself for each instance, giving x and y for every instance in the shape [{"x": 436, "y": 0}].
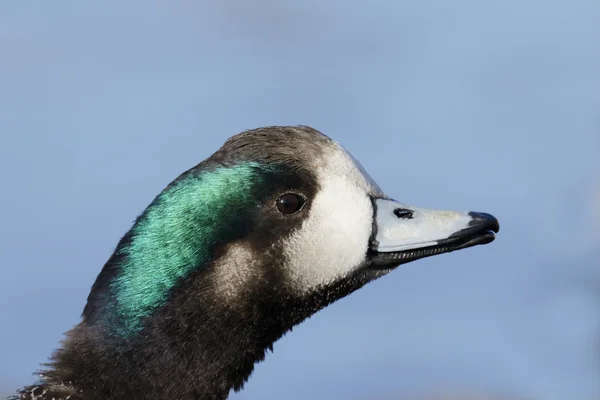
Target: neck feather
[{"x": 191, "y": 349}]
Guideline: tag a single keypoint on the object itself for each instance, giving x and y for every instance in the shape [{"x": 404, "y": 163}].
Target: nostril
[{"x": 403, "y": 213}]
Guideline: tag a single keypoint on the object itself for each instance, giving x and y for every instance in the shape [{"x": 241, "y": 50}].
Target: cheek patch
[{"x": 333, "y": 240}]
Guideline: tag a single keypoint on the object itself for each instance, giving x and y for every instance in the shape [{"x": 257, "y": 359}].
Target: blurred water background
[{"x": 486, "y": 106}]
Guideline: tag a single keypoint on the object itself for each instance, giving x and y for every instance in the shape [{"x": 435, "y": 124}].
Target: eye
[{"x": 290, "y": 203}]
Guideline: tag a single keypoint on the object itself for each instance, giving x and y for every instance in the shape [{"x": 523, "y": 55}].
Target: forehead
[
  {"x": 339, "y": 164},
  {"x": 303, "y": 149}
]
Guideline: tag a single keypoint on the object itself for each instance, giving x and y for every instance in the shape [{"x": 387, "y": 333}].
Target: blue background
[{"x": 469, "y": 105}]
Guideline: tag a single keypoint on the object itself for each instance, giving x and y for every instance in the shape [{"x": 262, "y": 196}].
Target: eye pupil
[{"x": 290, "y": 203}]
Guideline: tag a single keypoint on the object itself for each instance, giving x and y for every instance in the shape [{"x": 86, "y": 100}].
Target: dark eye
[{"x": 290, "y": 203}]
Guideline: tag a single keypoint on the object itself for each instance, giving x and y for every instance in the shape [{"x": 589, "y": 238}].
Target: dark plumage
[{"x": 206, "y": 281}]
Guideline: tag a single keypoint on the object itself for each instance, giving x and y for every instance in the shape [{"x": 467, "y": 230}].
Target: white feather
[{"x": 333, "y": 240}]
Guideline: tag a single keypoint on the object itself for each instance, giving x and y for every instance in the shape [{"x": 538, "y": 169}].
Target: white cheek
[{"x": 333, "y": 240}]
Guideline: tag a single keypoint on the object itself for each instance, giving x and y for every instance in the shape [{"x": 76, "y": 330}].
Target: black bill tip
[{"x": 484, "y": 221}]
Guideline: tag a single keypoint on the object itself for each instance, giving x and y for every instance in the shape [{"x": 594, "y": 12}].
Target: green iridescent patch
[{"x": 177, "y": 233}]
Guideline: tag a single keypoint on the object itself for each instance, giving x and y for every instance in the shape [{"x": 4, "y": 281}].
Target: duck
[{"x": 278, "y": 223}]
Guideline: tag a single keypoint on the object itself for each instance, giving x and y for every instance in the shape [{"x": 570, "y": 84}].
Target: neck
[{"x": 186, "y": 350}]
